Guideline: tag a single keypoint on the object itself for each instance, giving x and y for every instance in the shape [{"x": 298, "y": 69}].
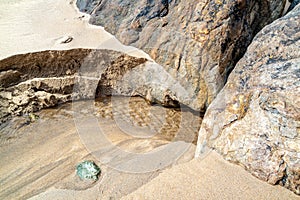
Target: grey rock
[
  {"x": 197, "y": 42},
  {"x": 255, "y": 119},
  {"x": 294, "y": 3}
]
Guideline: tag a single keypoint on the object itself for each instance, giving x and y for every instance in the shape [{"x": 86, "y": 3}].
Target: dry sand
[
  {"x": 40, "y": 160},
  {"x": 36, "y": 25},
  {"x": 209, "y": 178}
]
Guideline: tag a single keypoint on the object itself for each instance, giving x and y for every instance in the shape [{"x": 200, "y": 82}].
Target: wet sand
[
  {"x": 38, "y": 160},
  {"x": 43, "y": 155}
]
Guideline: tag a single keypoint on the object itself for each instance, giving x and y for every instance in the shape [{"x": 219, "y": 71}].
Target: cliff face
[
  {"x": 30, "y": 82},
  {"x": 255, "y": 119},
  {"x": 197, "y": 42}
]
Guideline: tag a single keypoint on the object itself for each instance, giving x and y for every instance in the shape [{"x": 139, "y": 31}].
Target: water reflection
[{"x": 121, "y": 118}]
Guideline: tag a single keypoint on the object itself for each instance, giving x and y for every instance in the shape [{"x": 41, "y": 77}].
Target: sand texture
[
  {"x": 38, "y": 160},
  {"x": 209, "y": 178},
  {"x": 37, "y": 25}
]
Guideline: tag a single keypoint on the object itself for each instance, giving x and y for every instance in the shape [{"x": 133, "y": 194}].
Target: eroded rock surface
[
  {"x": 197, "y": 42},
  {"x": 255, "y": 119},
  {"x": 33, "y": 81}
]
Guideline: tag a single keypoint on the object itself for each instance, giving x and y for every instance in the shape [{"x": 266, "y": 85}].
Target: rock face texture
[
  {"x": 255, "y": 119},
  {"x": 33, "y": 81},
  {"x": 294, "y": 3},
  {"x": 197, "y": 42}
]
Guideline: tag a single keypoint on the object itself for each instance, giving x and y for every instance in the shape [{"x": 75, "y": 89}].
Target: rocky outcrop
[
  {"x": 197, "y": 42},
  {"x": 33, "y": 81},
  {"x": 294, "y": 3},
  {"x": 255, "y": 119}
]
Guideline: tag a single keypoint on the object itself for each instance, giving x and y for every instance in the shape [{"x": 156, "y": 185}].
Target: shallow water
[
  {"x": 36, "y": 156},
  {"x": 133, "y": 116}
]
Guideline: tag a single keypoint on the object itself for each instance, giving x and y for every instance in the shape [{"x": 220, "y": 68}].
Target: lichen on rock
[{"x": 88, "y": 170}]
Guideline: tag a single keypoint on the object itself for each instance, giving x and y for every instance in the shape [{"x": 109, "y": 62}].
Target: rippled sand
[
  {"x": 38, "y": 160},
  {"x": 43, "y": 154},
  {"x": 156, "y": 121}
]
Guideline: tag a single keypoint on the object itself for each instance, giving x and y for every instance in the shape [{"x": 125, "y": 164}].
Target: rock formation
[
  {"x": 255, "y": 119},
  {"x": 197, "y": 42},
  {"x": 294, "y": 3},
  {"x": 32, "y": 81}
]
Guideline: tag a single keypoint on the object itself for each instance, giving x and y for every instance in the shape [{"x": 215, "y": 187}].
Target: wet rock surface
[
  {"x": 197, "y": 42},
  {"x": 30, "y": 82},
  {"x": 255, "y": 121}
]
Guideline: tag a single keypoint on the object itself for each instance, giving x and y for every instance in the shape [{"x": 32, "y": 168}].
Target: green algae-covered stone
[{"x": 88, "y": 170}]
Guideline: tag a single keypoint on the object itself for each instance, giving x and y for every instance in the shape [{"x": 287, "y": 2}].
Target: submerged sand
[
  {"x": 43, "y": 155},
  {"x": 38, "y": 161}
]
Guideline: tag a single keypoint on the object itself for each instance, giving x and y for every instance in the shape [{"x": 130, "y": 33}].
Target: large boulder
[
  {"x": 32, "y": 81},
  {"x": 197, "y": 42},
  {"x": 255, "y": 119}
]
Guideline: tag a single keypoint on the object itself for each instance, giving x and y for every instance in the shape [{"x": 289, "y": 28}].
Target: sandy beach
[
  {"x": 210, "y": 178},
  {"x": 38, "y": 162},
  {"x": 37, "y": 25}
]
